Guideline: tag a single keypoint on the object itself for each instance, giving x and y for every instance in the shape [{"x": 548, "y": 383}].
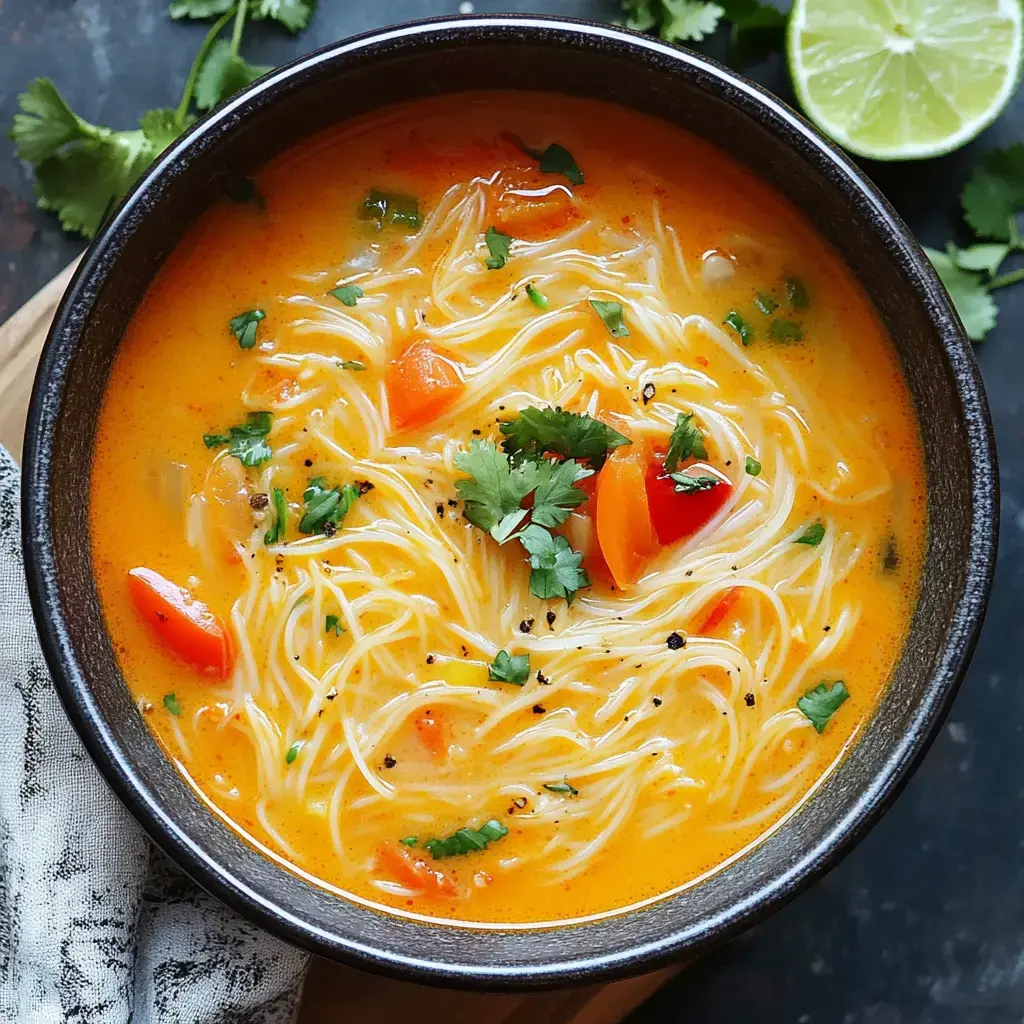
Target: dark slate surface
[{"x": 924, "y": 922}]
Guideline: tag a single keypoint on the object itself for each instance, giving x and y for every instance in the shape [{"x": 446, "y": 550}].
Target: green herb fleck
[
  {"x": 813, "y": 535},
  {"x": 332, "y": 624},
  {"x": 466, "y": 840},
  {"x": 276, "y": 533},
  {"x": 347, "y": 294},
  {"x": 785, "y": 331},
  {"x": 686, "y": 441},
  {"x": 686, "y": 484},
  {"x": 293, "y": 752},
  {"x": 612, "y": 317},
  {"x": 509, "y": 668},
  {"x": 245, "y": 325},
  {"x": 391, "y": 208},
  {"x": 246, "y": 441},
  {"x": 352, "y": 364},
  {"x": 740, "y": 325},
  {"x": 555, "y": 159},
  {"x": 537, "y": 297},
  {"x": 326, "y": 507},
  {"x": 753, "y": 467},
  {"x": 796, "y": 293},
  {"x": 766, "y": 304},
  {"x": 821, "y": 703},
  {"x": 562, "y": 787},
  {"x": 172, "y": 703},
  {"x": 499, "y": 246},
  {"x": 409, "y": 840}
]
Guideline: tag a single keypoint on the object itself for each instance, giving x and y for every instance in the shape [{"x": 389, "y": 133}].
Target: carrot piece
[
  {"x": 186, "y": 625},
  {"x": 422, "y": 383},
  {"x": 624, "y": 528},
  {"x": 719, "y": 610},
  {"x": 433, "y": 733},
  {"x": 414, "y": 873}
]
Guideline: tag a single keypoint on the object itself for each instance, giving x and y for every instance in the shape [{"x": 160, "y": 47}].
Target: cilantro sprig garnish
[
  {"x": 509, "y": 668},
  {"x": 82, "y": 169},
  {"x": 555, "y": 569},
  {"x": 246, "y": 441},
  {"x": 466, "y": 840},
  {"x": 538, "y": 432},
  {"x": 555, "y": 159},
  {"x": 686, "y": 441},
  {"x": 499, "y": 246},
  {"x": 822, "y": 702},
  {"x": 991, "y": 201}
]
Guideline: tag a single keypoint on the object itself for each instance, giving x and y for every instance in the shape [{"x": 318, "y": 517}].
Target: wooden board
[{"x": 331, "y": 988}]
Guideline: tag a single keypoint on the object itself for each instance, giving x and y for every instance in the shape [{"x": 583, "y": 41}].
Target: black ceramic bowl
[{"x": 536, "y": 54}]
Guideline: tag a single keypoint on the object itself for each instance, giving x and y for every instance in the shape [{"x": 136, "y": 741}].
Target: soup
[{"x": 506, "y": 508}]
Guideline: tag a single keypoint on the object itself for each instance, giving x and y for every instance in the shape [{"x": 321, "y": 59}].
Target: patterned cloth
[{"x": 97, "y": 926}]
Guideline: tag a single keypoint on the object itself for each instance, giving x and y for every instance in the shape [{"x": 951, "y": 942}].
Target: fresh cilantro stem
[
  {"x": 1006, "y": 279},
  {"x": 193, "y": 73},
  {"x": 236, "y": 33}
]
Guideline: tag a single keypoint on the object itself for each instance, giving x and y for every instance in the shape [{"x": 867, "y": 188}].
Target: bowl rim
[{"x": 685, "y": 938}]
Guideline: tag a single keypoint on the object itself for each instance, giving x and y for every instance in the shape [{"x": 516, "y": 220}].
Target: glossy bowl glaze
[{"x": 558, "y": 56}]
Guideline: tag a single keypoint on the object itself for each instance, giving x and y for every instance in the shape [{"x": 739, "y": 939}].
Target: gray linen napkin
[{"x": 96, "y": 925}]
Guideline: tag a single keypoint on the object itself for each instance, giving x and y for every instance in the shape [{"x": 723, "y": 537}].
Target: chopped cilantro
[
  {"x": 796, "y": 293},
  {"x": 813, "y": 535},
  {"x": 391, "y": 208},
  {"x": 556, "y": 495},
  {"x": 326, "y": 507},
  {"x": 674, "y": 20},
  {"x": 686, "y": 484},
  {"x": 352, "y": 364},
  {"x": 740, "y": 325},
  {"x": 332, "y": 624},
  {"x": 347, "y": 294},
  {"x": 509, "y": 668},
  {"x": 612, "y": 317},
  {"x": 494, "y": 491},
  {"x": 555, "y": 567},
  {"x": 246, "y": 441},
  {"x": 293, "y": 752},
  {"x": 245, "y": 325},
  {"x": 562, "y": 787},
  {"x": 276, "y": 533},
  {"x": 766, "y": 304},
  {"x": 466, "y": 840},
  {"x": 995, "y": 193},
  {"x": 172, "y": 703},
  {"x": 536, "y": 433},
  {"x": 555, "y": 159},
  {"x": 753, "y": 467},
  {"x": 686, "y": 441},
  {"x": 822, "y": 702},
  {"x": 785, "y": 331},
  {"x": 498, "y": 245},
  {"x": 409, "y": 840},
  {"x": 537, "y": 297}
]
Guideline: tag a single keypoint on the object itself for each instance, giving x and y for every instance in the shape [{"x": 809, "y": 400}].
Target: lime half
[{"x": 904, "y": 79}]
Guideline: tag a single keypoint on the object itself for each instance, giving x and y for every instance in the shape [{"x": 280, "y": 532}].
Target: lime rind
[{"x": 905, "y": 79}]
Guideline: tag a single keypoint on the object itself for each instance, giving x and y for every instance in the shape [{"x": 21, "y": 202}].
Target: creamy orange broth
[{"x": 180, "y": 373}]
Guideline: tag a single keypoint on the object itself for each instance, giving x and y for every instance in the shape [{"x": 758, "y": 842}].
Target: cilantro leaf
[
  {"x": 246, "y": 441},
  {"x": 757, "y": 30},
  {"x": 785, "y": 331},
  {"x": 352, "y": 364},
  {"x": 293, "y": 752},
  {"x": 796, "y": 293},
  {"x": 509, "y": 668},
  {"x": 494, "y": 490},
  {"x": 276, "y": 533},
  {"x": 409, "y": 840},
  {"x": 986, "y": 256},
  {"x": 689, "y": 20},
  {"x": 812, "y": 536},
  {"x": 765, "y": 303},
  {"x": 752, "y": 466},
  {"x": 562, "y": 787},
  {"x": 822, "y": 702},
  {"x": 46, "y": 123},
  {"x": 172, "y": 703},
  {"x": 686, "y": 440},
  {"x": 466, "y": 840},
  {"x": 223, "y": 74},
  {"x": 555, "y": 566},
  {"x": 498, "y": 245},
  {"x": 326, "y": 507},
  {"x": 555, "y": 159},
  {"x": 245, "y": 325},
  {"x": 347, "y": 294},
  {"x": 976, "y": 308},
  {"x": 641, "y": 15},
  {"x": 555, "y": 495},
  {"x": 686, "y": 484},
  {"x": 392, "y": 208},
  {"x": 995, "y": 192},
  {"x": 332, "y": 624},
  {"x": 740, "y": 325},
  {"x": 537, "y": 297},
  {"x": 612, "y": 317},
  {"x": 536, "y": 433}
]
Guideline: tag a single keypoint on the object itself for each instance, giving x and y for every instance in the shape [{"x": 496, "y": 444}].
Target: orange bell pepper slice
[{"x": 624, "y": 528}]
